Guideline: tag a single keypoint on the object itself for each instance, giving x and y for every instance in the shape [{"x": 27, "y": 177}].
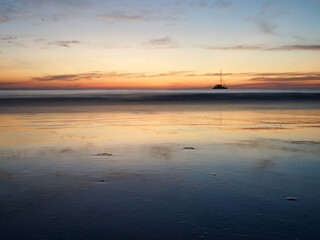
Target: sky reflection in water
[{"x": 57, "y": 180}]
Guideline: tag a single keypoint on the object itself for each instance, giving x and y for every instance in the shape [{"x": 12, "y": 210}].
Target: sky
[{"x": 57, "y": 44}]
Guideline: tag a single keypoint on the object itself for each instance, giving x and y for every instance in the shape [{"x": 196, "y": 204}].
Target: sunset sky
[{"x": 159, "y": 43}]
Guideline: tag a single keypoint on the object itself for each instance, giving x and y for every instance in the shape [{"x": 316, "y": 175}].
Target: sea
[
  {"x": 160, "y": 164},
  {"x": 190, "y": 95}
]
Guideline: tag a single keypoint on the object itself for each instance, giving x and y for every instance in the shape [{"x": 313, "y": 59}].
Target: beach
[{"x": 89, "y": 164}]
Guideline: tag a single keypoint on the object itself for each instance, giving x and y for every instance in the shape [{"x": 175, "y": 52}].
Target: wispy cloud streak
[
  {"x": 294, "y": 47},
  {"x": 64, "y": 43},
  {"x": 135, "y": 17},
  {"x": 47, "y": 10},
  {"x": 106, "y": 75},
  {"x": 281, "y": 80},
  {"x": 263, "y": 19},
  {"x": 165, "y": 42},
  {"x": 68, "y": 77},
  {"x": 8, "y": 38},
  {"x": 287, "y": 79},
  {"x": 211, "y": 4}
]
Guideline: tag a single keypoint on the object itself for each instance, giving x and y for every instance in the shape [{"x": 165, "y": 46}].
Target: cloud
[
  {"x": 64, "y": 43},
  {"x": 122, "y": 17},
  {"x": 13, "y": 40},
  {"x": 211, "y": 4},
  {"x": 86, "y": 76},
  {"x": 234, "y": 47},
  {"x": 166, "y": 74},
  {"x": 91, "y": 75},
  {"x": 160, "y": 41},
  {"x": 265, "y": 26},
  {"x": 275, "y": 85},
  {"x": 4, "y": 85},
  {"x": 7, "y": 83},
  {"x": 4, "y": 18},
  {"x": 43, "y": 9},
  {"x": 24, "y": 41},
  {"x": 287, "y": 79},
  {"x": 9, "y": 10},
  {"x": 303, "y": 142},
  {"x": 8, "y": 38},
  {"x": 67, "y": 77},
  {"x": 222, "y": 4},
  {"x": 295, "y": 47},
  {"x": 59, "y": 10},
  {"x": 283, "y": 74},
  {"x": 281, "y": 80},
  {"x": 141, "y": 15},
  {"x": 165, "y": 42},
  {"x": 264, "y": 18}
]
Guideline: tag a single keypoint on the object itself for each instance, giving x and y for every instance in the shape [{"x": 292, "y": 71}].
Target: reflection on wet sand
[
  {"x": 159, "y": 171},
  {"x": 165, "y": 152}
]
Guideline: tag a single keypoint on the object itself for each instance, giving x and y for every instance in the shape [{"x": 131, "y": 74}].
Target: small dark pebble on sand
[
  {"x": 291, "y": 198},
  {"x": 189, "y": 148},
  {"x": 104, "y": 154},
  {"x": 102, "y": 180}
]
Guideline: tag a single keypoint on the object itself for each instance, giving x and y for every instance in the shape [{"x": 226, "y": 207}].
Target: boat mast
[{"x": 220, "y": 77}]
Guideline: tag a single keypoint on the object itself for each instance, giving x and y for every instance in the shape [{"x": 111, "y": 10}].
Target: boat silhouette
[{"x": 221, "y": 85}]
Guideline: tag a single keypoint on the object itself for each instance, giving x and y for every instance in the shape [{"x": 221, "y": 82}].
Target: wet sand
[{"x": 160, "y": 171}]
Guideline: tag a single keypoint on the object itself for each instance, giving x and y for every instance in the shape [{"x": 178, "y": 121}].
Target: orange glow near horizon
[{"x": 183, "y": 81}]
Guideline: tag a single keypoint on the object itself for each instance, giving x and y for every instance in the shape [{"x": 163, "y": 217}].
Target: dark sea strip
[{"x": 163, "y": 97}]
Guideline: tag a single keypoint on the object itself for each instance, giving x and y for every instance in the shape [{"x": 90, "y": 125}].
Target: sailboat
[{"x": 220, "y": 86}]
